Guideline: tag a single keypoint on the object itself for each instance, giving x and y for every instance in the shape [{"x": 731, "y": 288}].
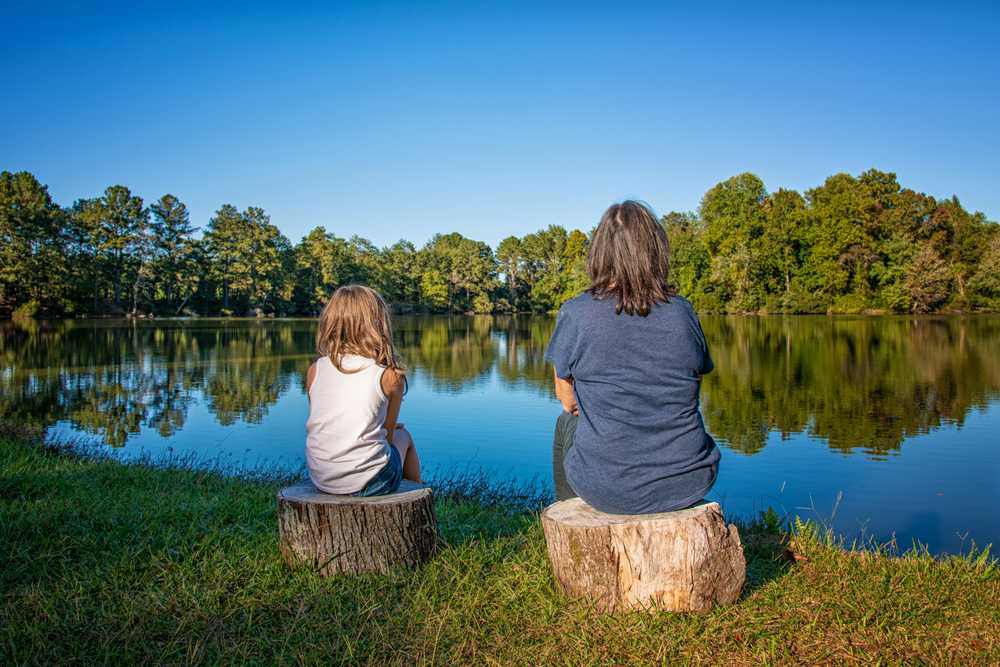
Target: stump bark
[
  {"x": 333, "y": 534},
  {"x": 687, "y": 560}
]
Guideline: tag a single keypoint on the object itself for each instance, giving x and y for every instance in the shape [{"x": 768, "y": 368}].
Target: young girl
[
  {"x": 354, "y": 444},
  {"x": 628, "y": 356}
]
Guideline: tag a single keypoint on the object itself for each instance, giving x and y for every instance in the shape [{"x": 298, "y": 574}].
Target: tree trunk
[
  {"x": 183, "y": 303},
  {"x": 118, "y": 278},
  {"x": 96, "y": 293},
  {"x": 687, "y": 560},
  {"x": 332, "y": 534}
]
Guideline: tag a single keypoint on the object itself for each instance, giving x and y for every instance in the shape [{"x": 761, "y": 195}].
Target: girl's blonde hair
[{"x": 356, "y": 321}]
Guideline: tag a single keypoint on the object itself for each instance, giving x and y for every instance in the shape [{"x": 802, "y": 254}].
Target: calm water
[{"x": 878, "y": 427}]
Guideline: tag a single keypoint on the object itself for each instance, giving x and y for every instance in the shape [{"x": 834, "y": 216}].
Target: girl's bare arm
[
  {"x": 392, "y": 383},
  {"x": 565, "y": 394},
  {"x": 310, "y": 376}
]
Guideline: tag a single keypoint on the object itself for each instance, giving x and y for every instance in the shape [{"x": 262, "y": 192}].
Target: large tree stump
[
  {"x": 333, "y": 534},
  {"x": 687, "y": 560}
]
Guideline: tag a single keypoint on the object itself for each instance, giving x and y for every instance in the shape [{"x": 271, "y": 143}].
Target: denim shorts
[{"x": 388, "y": 478}]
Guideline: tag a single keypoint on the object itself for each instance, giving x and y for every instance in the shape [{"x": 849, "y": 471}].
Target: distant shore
[{"x": 868, "y": 312}]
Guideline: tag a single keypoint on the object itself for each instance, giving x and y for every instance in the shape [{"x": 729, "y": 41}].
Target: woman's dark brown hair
[{"x": 630, "y": 259}]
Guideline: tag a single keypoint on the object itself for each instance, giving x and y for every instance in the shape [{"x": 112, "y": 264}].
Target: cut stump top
[
  {"x": 576, "y": 513},
  {"x": 308, "y": 494}
]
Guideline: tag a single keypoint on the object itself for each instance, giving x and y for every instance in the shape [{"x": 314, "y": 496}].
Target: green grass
[{"x": 102, "y": 562}]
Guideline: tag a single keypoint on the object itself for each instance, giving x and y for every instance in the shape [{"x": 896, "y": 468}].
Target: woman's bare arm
[{"x": 565, "y": 394}]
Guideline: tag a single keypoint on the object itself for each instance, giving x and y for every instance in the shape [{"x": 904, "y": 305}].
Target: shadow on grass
[{"x": 767, "y": 553}]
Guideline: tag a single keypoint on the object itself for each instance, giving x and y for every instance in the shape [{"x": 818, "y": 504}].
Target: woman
[{"x": 628, "y": 356}]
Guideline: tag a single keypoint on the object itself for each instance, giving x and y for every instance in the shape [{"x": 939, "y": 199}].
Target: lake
[{"x": 880, "y": 428}]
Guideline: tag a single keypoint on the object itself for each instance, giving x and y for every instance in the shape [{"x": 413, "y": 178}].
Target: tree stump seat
[
  {"x": 688, "y": 560},
  {"x": 334, "y": 534}
]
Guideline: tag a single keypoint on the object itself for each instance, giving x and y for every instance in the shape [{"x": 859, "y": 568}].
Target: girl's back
[{"x": 345, "y": 433}]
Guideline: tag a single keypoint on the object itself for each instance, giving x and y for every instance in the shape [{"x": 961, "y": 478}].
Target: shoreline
[
  {"x": 106, "y": 561},
  {"x": 865, "y": 314}
]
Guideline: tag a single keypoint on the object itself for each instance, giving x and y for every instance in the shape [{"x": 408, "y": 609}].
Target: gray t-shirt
[{"x": 640, "y": 446}]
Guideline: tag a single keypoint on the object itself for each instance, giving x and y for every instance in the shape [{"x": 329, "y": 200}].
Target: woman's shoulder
[
  {"x": 682, "y": 303},
  {"x": 583, "y": 302},
  {"x": 676, "y": 310},
  {"x": 579, "y": 301},
  {"x": 683, "y": 312}
]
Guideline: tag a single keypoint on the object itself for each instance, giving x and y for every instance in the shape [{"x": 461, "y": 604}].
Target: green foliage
[
  {"x": 175, "y": 267},
  {"x": 33, "y": 267},
  {"x": 434, "y": 289},
  {"x": 985, "y": 282},
  {"x": 121, "y": 234},
  {"x": 244, "y": 254},
  {"x": 225, "y": 252},
  {"x": 851, "y": 245},
  {"x": 552, "y": 266},
  {"x": 26, "y": 311},
  {"x": 510, "y": 256},
  {"x": 321, "y": 259},
  {"x": 468, "y": 269}
]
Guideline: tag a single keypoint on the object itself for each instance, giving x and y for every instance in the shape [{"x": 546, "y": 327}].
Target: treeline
[
  {"x": 112, "y": 254},
  {"x": 850, "y": 245}
]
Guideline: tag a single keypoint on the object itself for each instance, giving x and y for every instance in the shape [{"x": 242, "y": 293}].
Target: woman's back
[
  {"x": 345, "y": 433},
  {"x": 640, "y": 444}
]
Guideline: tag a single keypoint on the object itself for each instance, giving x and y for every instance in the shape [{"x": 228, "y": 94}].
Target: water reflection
[
  {"x": 111, "y": 379},
  {"x": 856, "y": 383},
  {"x": 862, "y": 383},
  {"x": 451, "y": 351},
  {"x": 896, "y": 416}
]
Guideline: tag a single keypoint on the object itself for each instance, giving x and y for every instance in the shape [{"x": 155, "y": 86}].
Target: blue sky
[{"x": 399, "y": 120}]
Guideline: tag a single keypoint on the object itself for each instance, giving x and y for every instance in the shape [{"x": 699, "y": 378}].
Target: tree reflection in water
[
  {"x": 866, "y": 383},
  {"x": 856, "y": 383}
]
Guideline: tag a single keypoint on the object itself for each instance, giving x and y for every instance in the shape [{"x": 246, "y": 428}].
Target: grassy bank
[{"x": 102, "y": 562}]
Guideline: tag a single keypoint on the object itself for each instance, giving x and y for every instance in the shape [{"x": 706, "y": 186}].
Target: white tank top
[{"x": 346, "y": 442}]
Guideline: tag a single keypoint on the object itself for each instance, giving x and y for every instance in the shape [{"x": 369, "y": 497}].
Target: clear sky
[{"x": 399, "y": 120}]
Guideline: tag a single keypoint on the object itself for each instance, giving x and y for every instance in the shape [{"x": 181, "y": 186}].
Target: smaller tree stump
[
  {"x": 332, "y": 534},
  {"x": 687, "y": 560}
]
